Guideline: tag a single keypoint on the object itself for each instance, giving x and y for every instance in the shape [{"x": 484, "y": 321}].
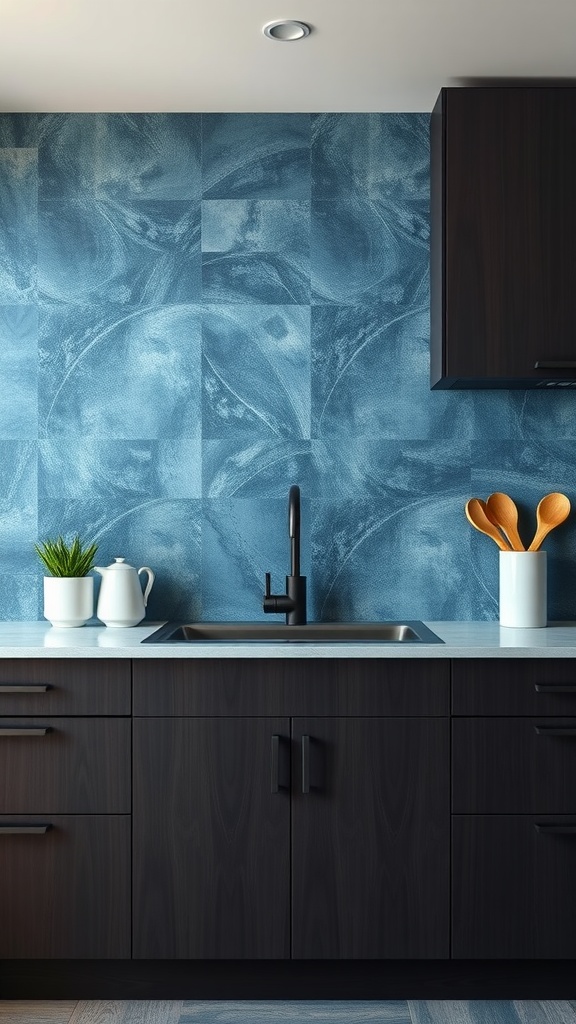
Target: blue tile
[
  {"x": 380, "y": 156},
  {"x": 241, "y": 541},
  {"x": 119, "y": 253},
  {"x": 524, "y": 415},
  {"x": 363, "y": 252},
  {"x": 18, "y": 217},
  {"x": 257, "y": 469},
  {"x": 268, "y": 278},
  {"x": 370, "y": 377},
  {"x": 161, "y": 533},
  {"x": 118, "y": 470},
  {"x": 256, "y": 156},
  {"x": 256, "y": 374},
  {"x": 392, "y": 559},
  {"x": 18, "y": 131},
  {"x": 136, "y": 375},
  {"x": 18, "y": 506},
  {"x": 20, "y": 597},
  {"x": 256, "y": 251},
  {"x": 120, "y": 156},
  {"x": 19, "y": 396},
  {"x": 296, "y": 1012},
  {"x": 248, "y": 225}
]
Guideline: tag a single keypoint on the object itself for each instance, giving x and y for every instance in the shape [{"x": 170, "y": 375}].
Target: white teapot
[{"x": 121, "y": 601}]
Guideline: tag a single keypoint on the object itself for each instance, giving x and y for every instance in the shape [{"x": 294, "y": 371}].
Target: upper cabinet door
[
  {"x": 370, "y": 838},
  {"x": 503, "y": 247}
]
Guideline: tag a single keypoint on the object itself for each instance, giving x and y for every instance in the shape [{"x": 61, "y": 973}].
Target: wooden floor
[{"x": 392, "y": 1012}]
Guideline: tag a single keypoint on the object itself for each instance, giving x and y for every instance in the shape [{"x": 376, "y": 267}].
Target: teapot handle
[{"x": 151, "y": 578}]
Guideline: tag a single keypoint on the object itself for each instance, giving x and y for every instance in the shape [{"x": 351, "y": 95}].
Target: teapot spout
[{"x": 100, "y": 569}]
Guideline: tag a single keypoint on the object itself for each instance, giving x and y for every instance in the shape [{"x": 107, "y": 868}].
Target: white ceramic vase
[
  {"x": 523, "y": 589},
  {"x": 68, "y": 600}
]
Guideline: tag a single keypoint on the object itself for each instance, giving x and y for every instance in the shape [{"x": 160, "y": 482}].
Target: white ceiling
[{"x": 210, "y": 55}]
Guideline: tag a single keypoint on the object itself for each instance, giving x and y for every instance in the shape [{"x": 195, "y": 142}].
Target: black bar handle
[
  {"x": 554, "y": 688},
  {"x": 275, "y": 764},
  {"x": 556, "y": 830},
  {"x": 23, "y": 830},
  {"x": 305, "y": 764},
  {"x": 30, "y": 730},
  {"x": 555, "y": 364},
  {"x": 23, "y": 688},
  {"x": 555, "y": 730}
]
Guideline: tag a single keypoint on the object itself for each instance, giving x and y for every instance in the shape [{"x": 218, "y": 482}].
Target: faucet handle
[{"x": 267, "y": 590}]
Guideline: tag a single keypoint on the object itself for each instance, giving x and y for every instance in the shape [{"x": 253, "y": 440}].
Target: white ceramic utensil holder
[
  {"x": 523, "y": 597},
  {"x": 68, "y": 600}
]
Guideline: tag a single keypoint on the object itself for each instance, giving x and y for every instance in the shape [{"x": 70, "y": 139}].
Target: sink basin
[{"x": 408, "y": 632}]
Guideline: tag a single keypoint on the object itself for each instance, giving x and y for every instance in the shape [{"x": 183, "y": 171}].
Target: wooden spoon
[
  {"x": 502, "y": 511},
  {"x": 552, "y": 510},
  {"x": 476, "y": 515}
]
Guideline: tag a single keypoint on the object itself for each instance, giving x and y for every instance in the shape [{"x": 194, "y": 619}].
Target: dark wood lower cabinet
[
  {"x": 370, "y": 838},
  {"x": 367, "y": 872},
  {"x": 211, "y": 838},
  {"x": 65, "y": 886},
  {"x": 514, "y": 887}
]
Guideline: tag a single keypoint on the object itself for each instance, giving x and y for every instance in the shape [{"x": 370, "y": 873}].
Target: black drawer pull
[
  {"x": 30, "y": 730},
  {"x": 274, "y": 764},
  {"x": 24, "y": 688},
  {"x": 305, "y": 764},
  {"x": 555, "y": 730},
  {"x": 23, "y": 830},
  {"x": 556, "y": 830},
  {"x": 554, "y": 688},
  {"x": 555, "y": 364}
]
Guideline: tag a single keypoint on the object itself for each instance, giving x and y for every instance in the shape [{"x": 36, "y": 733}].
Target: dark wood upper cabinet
[{"x": 503, "y": 245}]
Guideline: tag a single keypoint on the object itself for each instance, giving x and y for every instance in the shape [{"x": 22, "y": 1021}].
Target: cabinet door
[
  {"x": 370, "y": 838},
  {"x": 509, "y": 230},
  {"x": 65, "y": 886},
  {"x": 211, "y": 838},
  {"x": 514, "y": 886}
]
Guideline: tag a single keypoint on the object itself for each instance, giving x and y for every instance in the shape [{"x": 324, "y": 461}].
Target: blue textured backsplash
[{"x": 197, "y": 311}]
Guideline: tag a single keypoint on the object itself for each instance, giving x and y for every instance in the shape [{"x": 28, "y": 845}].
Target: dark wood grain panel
[
  {"x": 503, "y": 765},
  {"x": 291, "y": 687},
  {"x": 211, "y": 840},
  {"x": 524, "y": 686},
  {"x": 81, "y": 766},
  {"x": 514, "y": 889},
  {"x": 66, "y": 893},
  {"x": 370, "y": 841},
  {"x": 509, "y": 233},
  {"x": 75, "y": 686}
]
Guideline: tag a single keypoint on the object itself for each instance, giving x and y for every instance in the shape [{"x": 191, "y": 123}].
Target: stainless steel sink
[{"x": 407, "y": 632}]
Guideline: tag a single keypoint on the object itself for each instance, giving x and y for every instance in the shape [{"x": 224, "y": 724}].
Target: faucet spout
[
  {"x": 294, "y": 529},
  {"x": 293, "y": 602}
]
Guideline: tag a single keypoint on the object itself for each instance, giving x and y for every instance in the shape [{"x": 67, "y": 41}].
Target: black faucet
[{"x": 293, "y": 602}]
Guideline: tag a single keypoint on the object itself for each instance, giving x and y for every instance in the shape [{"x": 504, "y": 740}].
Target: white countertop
[{"x": 461, "y": 640}]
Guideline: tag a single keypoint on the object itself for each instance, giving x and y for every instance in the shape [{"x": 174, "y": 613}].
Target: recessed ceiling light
[{"x": 286, "y": 31}]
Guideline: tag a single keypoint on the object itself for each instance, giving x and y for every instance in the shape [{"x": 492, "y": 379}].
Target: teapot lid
[{"x": 120, "y": 563}]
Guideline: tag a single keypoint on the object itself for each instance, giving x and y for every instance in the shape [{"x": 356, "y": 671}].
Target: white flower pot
[{"x": 68, "y": 600}]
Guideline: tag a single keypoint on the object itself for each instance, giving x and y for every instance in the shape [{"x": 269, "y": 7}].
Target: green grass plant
[{"x": 63, "y": 559}]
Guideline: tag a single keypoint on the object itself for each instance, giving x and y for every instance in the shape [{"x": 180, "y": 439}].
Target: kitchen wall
[{"x": 197, "y": 311}]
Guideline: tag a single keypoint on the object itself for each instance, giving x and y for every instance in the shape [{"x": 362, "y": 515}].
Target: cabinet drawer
[
  {"x": 65, "y": 891},
  {"x": 65, "y": 687},
  {"x": 510, "y": 687},
  {"x": 514, "y": 887},
  {"x": 522, "y": 765},
  {"x": 291, "y": 687},
  {"x": 65, "y": 765}
]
